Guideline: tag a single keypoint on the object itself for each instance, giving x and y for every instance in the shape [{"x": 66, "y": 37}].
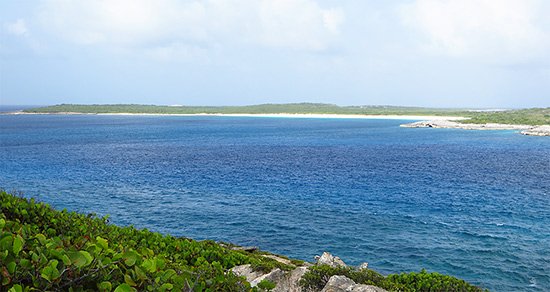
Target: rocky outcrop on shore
[
  {"x": 289, "y": 281},
  {"x": 525, "y": 129},
  {"x": 537, "y": 131},
  {"x": 338, "y": 283}
]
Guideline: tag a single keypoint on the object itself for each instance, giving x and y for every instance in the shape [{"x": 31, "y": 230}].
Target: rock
[
  {"x": 525, "y": 129},
  {"x": 289, "y": 281},
  {"x": 279, "y": 259},
  {"x": 538, "y": 131},
  {"x": 284, "y": 281},
  {"x": 294, "y": 278},
  {"x": 246, "y": 248},
  {"x": 338, "y": 284},
  {"x": 247, "y": 272},
  {"x": 454, "y": 125},
  {"x": 328, "y": 259},
  {"x": 343, "y": 284},
  {"x": 366, "y": 288},
  {"x": 363, "y": 266},
  {"x": 275, "y": 276}
]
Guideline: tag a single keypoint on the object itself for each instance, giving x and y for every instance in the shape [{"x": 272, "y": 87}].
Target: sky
[{"x": 436, "y": 53}]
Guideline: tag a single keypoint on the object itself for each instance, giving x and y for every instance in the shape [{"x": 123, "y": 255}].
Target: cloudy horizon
[{"x": 435, "y": 53}]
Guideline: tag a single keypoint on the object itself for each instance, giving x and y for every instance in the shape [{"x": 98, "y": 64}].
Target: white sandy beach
[{"x": 282, "y": 115}]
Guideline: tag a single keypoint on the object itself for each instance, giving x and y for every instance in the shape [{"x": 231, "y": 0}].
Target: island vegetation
[
  {"x": 288, "y": 108},
  {"x": 533, "y": 116},
  {"x": 49, "y": 250}
]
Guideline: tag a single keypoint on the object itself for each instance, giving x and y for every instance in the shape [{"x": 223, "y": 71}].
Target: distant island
[{"x": 532, "y": 121}]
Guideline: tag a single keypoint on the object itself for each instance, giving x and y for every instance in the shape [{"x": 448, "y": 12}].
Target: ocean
[{"x": 472, "y": 204}]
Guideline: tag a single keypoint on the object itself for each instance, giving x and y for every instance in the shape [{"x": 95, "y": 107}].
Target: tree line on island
[{"x": 531, "y": 116}]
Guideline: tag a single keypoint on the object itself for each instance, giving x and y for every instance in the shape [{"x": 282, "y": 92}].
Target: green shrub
[
  {"x": 266, "y": 285},
  {"x": 46, "y": 249},
  {"x": 317, "y": 277},
  {"x": 424, "y": 281}
]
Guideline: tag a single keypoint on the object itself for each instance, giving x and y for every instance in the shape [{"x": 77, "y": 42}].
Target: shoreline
[
  {"x": 275, "y": 115},
  {"x": 421, "y": 121},
  {"x": 541, "y": 130}
]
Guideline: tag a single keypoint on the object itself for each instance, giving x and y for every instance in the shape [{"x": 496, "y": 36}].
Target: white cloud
[
  {"x": 296, "y": 24},
  {"x": 180, "y": 52},
  {"x": 18, "y": 28},
  {"x": 492, "y": 29}
]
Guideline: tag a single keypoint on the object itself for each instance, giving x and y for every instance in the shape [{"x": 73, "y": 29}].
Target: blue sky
[{"x": 440, "y": 53}]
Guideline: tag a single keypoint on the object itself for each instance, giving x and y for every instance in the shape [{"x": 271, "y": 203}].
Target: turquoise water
[{"x": 473, "y": 204}]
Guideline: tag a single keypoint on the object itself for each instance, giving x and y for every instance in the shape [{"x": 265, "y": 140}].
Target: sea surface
[{"x": 472, "y": 204}]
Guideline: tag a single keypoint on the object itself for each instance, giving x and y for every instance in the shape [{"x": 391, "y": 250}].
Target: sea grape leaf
[
  {"x": 128, "y": 280},
  {"x": 41, "y": 237},
  {"x": 18, "y": 244},
  {"x": 168, "y": 274},
  {"x": 80, "y": 258},
  {"x": 16, "y": 288},
  {"x": 88, "y": 256},
  {"x": 105, "y": 286},
  {"x": 130, "y": 258},
  {"x": 11, "y": 267},
  {"x": 50, "y": 272},
  {"x": 102, "y": 242},
  {"x": 140, "y": 273},
  {"x": 123, "y": 288},
  {"x": 25, "y": 263},
  {"x": 6, "y": 242}
]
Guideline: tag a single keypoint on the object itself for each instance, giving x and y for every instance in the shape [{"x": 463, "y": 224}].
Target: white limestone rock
[
  {"x": 343, "y": 284},
  {"x": 328, "y": 259}
]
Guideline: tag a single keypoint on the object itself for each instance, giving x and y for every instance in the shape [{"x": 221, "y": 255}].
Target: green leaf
[
  {"x": 128, "y": 280},
  {"x": 6, "y": 242},
  {"x": 25, "y": 263},
  {"x": 16, "y": 288},
  {"x": 18, "y": 244},
  {"x": 123, "y": 288},
  {"x": 140, "y": 273},
  {"x": 130, "y": 258},
  {"x": 80, "y": 258},
  {"x": 50, "y": 272},
  {"x": 150, "y": 265},
  {"x": 88, "y": 256},
  {"x": 166, "y": 286},
  {"x": 102, "y": 242},
  {"x": 11, "y": 267},
  {"x": 41, "y": 238},
  {"x": 65, "y": 259},
  {"x": 168, "y": 274},
  {"x": 105, "y": 286}
]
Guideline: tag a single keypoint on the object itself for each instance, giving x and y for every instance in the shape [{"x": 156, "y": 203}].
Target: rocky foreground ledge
[
  {"x": 446, "y": 124},
  {"x": 289, "y": 281}
]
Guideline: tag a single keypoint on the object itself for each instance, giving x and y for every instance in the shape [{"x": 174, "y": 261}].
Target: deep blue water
[{"x": 473, "y": 204}]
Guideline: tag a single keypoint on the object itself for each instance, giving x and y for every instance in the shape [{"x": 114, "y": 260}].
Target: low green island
[
  {"x": 43, "y": 249},
  {"x": 532, "y": 116},
  {"x": 288, "y": 108}
]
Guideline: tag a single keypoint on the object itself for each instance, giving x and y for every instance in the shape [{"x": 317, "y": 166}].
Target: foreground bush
[
  {"x": 317, "y": 276},
  {"x": 44, "y": 249},
  {"x": 56, "y": 250}
]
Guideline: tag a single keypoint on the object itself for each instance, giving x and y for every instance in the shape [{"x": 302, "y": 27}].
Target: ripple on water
[{"x": 473, "y": 204}]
